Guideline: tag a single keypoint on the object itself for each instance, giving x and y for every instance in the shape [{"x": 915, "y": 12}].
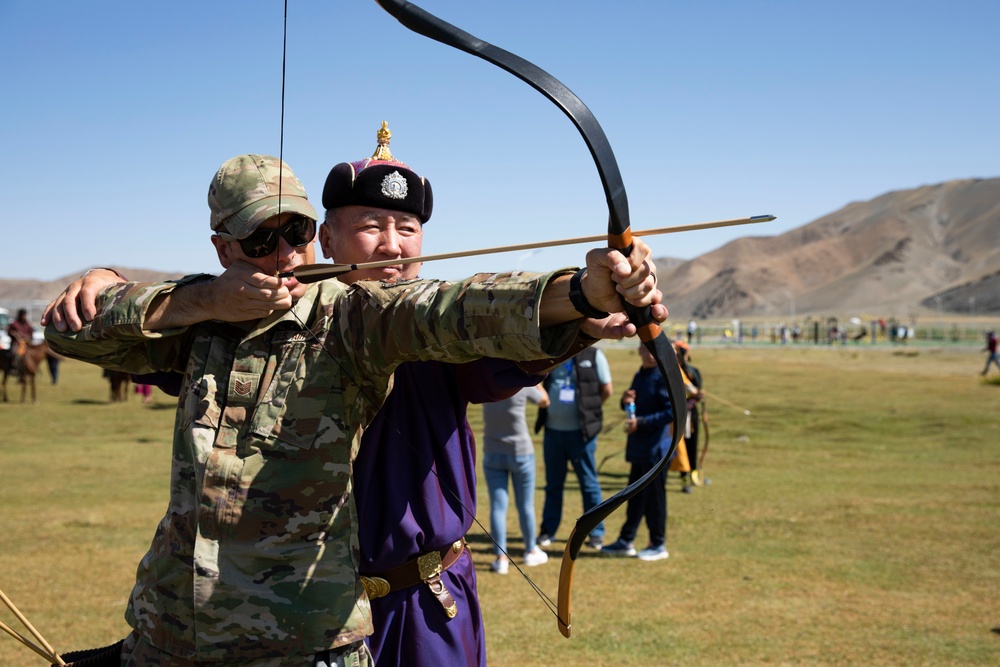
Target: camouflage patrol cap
[{"x": 245, "y": 192}]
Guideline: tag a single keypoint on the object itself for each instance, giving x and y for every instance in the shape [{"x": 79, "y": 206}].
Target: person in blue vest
[{"x": 577, "y": 389}]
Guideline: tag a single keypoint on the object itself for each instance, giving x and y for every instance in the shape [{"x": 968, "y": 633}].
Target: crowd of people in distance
[{"x": 571, "y": 414}]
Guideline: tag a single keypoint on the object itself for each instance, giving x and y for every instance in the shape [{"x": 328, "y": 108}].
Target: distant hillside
[{"x": 932, "y": 247}]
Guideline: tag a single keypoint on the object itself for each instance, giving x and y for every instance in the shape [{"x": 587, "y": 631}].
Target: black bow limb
[{"x": 619, "y": 237}]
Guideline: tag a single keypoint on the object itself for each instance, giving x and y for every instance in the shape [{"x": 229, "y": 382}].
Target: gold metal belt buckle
[
  {"x": 429, "y": 565},
  {"x": 376, "y": 587},
  {"x": 430, "y": 568}
]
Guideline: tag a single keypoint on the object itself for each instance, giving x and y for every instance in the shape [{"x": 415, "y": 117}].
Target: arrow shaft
[
  {"x": 725, "y": 402},
  {"x": 21, "y": 638},
  {"x": 315, "y": 272},
  {"x": 52, "y": 655}
]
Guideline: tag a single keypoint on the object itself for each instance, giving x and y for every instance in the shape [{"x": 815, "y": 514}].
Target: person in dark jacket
[
  {"x": 649, "y": 433},
  {"x": 991, "y": 349}
]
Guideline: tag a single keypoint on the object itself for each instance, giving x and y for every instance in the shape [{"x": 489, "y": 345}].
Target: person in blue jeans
[
  {"x": 509, "y": 453},
  {"x": 577, "y": 389}
]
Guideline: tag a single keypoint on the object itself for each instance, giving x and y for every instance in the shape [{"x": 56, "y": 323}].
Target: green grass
[{"x": 854, "y": 518}]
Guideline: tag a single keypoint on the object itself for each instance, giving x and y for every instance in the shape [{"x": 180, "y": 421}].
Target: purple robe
[{"x": 405, "y": 509}]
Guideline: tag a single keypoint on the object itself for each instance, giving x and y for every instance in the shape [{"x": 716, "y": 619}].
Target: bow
[{"x": 619, "y": 237}]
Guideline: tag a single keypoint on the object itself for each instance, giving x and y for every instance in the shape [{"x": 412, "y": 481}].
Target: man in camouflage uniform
[{"x": 255, "y": 561}]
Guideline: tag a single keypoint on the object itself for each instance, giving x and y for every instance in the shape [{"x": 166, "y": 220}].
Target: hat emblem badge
[{"x": 394, "y": 186}]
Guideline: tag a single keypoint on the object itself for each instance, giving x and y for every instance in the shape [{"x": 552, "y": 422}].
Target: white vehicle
[{"x": 4, "y": 321}]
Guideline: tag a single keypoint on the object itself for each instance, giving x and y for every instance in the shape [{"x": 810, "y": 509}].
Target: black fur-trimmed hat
[{"x": 380, "y": 181}]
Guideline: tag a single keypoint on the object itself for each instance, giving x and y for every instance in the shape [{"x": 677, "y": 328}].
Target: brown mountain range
[{"x": 931, "y": 249}]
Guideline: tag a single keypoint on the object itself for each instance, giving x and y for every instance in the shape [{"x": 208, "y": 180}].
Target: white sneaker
[
  {"x": 653, "y": 553},
  {"x": 500, "y": 565},
  {"x": 544, "y": 540},
  {"x": 535, "y": 557}
]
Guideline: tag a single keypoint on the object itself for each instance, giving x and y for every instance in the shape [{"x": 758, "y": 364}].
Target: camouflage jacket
[{"x": 257, "y": 554}]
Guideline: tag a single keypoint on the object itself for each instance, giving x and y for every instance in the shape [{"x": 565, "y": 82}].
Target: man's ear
[
  {"x": 224, "y": 250},
  {"x": 324, "y": 241}
]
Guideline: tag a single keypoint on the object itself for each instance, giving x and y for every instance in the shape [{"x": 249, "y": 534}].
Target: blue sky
[{"x": 117, "y": 114}]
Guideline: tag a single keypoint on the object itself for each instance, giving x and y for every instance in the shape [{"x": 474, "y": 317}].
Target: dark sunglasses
[{"x": 297, "y": 232}]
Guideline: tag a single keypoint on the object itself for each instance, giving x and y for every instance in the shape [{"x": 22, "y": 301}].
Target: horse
[{"x": 30, "y": 360}]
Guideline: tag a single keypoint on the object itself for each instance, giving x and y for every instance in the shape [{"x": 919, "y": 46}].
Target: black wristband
[{"x": 579, "y": 300}]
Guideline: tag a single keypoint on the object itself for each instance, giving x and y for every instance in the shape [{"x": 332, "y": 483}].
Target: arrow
[
  {"x": 45, "y": 650},
  {"x": 725, "y": 402},
  {"x": 310, "y": 273}
]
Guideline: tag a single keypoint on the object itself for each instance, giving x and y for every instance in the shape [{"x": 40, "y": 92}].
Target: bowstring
[
  {"x": 281, "y": 130},
  {"x": 549, "y": 603}
]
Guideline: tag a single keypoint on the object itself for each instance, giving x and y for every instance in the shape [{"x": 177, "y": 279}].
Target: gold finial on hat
[{"x": 382, "y": 152}]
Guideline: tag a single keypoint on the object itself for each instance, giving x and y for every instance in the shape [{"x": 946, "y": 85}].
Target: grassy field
[{"x": 854, "y": 518}]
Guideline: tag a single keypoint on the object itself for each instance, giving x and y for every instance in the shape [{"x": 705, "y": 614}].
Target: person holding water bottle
[{"x": 649, "y": 414}]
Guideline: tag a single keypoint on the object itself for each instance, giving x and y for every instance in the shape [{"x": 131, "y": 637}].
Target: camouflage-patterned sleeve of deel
[{"x": 492, "y": 315}]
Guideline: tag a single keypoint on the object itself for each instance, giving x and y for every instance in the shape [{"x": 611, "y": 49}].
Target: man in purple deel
[{"x": 415, "y": 473}]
